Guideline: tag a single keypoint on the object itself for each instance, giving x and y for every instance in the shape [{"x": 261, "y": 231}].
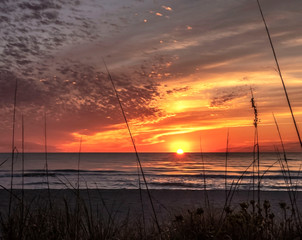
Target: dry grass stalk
[
  {"x": 135, "y": 149},
  {"x": 287, "y": 177},
  {"x": 13, "y": 148},
  {"x": 206, "y": 198},
  {"x": 46, "y": 160},
  {"x": 226, "y": 164},
  {"x": 256, "y": 152},
  {"x": 279, "y": 72}
]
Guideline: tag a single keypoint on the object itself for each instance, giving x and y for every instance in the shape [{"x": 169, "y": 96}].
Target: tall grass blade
[
  {"x": 22, "y": 198},
  {"x": 78, "y": 194},
  {"x": 226, "y": 164},
  {"x": 279, "y": 71},
  {"x": 46, "y": 160},
  {"x": 286, "y": 174},
  {"x": 233, "y": 188},
  {"x": 4, "y": 161},
  {"x": 79, "y": 162},
  {"x": 141, "y": 199},
  {"x": 134, "y": 146},
  {"x": 206, "y": 197},
  {"x": 13, "y": 149},
  {"x": 256, "y": 152}
]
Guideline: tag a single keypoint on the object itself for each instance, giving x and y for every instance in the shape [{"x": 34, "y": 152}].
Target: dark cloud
[
  {"x": 34, "y": 30},
  {"x": 39, "y": 6},
  {"x": 180, "y": 89},
  {"x": 222, "y": 96}
]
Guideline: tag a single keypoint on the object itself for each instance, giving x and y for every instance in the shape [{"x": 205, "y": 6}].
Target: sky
[{"x": 183, "y": 70}]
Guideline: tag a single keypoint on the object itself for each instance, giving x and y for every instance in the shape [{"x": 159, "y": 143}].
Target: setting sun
[{"x": 179, "y": 151}]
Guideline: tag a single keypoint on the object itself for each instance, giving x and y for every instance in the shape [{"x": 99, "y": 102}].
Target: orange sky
[{"x": 183, "y": 70}]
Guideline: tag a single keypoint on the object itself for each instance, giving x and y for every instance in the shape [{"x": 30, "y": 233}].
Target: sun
[
  {"x": 180, "y": 146},
  {"x": 180, "y": 151}
]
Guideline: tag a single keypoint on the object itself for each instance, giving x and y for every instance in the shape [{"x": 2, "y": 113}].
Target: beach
[{"x": 124, "y": 203}]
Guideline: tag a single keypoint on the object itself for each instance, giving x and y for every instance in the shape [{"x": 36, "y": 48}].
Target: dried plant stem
[
  {"x": 79, "y": 161},
  {"x": 295, "y": 210},
  {"x": 46, "y": 160},
  {"x": 233, "y": 188},
  {"x": 256, "y": 153},
  {"x": 22, "y": 216},
  {"x": 226, "y": 164},
  {"x": 279, "y": 72},
  {"x": 206, "y": 197},
  {"x": 22, "y": 199},
  {"x": 78, "y": 193},
  {"x": 13, "y": 149},
  {"x": 287, "y": 176},
  {"x": 135, "y": 149},
  {"x": 141, "y": 199}
]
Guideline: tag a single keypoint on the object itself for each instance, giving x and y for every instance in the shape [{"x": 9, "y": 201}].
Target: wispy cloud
[{"x": 176, "y": 64}]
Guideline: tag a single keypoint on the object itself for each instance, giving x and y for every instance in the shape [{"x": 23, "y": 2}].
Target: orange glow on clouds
[{"x": 180, "y": 88}]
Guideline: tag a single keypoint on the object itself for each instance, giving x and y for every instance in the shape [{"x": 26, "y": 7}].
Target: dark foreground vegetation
[{"x": 79, "y": 220}]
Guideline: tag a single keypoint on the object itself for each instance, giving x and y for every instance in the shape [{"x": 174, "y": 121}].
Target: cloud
[
  {"x": 167, "y": 8},
  {"x": 198, "y": 49},
  {"x": 180, "y": 89},
  {"x": 226, "y": 95}
]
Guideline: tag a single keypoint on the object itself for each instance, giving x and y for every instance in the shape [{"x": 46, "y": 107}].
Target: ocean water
[{"x": 162, "y": 171}]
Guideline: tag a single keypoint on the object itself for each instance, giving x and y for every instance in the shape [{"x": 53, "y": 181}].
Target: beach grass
[{"x": 79, "y": 218}]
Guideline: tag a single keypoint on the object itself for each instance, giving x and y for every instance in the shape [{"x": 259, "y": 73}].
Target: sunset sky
[{"x": 183, "y": 70}]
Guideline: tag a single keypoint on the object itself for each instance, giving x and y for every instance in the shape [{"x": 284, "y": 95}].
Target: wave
[
  {"x": 175, "y": 184},
  {"x": 120, "y": 174},
  {"x": 74, "y": 171},
  {"x": 39, "y": 183},
  {"x": 29, "y": 175}
]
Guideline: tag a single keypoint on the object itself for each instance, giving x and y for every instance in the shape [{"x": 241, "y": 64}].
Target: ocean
[{"x": 162, "y": 171}]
